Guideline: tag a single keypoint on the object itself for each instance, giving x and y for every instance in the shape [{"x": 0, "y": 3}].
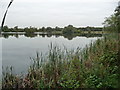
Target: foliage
[
  {"x": 5, "y": 29},
  {"x": 112, "y": 23},
  {"x": 96, "y": 66},
  {"x": 68, "y": 29}
]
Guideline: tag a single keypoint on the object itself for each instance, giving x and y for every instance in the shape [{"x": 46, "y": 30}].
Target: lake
[{"x": 17, "y": 49}]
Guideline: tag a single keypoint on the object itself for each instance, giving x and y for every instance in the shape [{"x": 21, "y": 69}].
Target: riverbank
[
  {"x": 96, "y": 66},
  {"x": 53, "y": 33}
]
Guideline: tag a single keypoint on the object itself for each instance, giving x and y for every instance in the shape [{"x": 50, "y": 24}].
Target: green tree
[
  {"x": 69, "y": 29},
  {"x": 57, "y": 29},
  {"x": 117, "y": 14},
  {"x": 49, "y": 29},
  {"x": 16, "y": 28},
  {"x": 43, "y": 29},
  {"x": 5, "y": 29},
  {"x": 112, "y": 23}
]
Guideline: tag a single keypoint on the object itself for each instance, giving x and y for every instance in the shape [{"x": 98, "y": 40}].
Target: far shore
[{"x": 55, "y": 32}]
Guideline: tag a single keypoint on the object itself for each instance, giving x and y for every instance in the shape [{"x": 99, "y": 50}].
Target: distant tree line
[{"x": 68, "y": 29}]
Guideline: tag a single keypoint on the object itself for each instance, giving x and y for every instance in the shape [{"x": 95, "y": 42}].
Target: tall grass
[{"x": 95, "y": 66}]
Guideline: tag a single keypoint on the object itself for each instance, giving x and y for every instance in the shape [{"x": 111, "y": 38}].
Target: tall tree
[
  {"x": 117, "y": 14},
  {"x": 112, "y": 23}
]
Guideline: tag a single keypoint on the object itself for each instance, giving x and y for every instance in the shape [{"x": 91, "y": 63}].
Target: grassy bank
[{"x": 95, "y": 66}]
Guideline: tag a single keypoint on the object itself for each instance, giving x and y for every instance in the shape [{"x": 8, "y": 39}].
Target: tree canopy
[{"x": 112, "y": 23}]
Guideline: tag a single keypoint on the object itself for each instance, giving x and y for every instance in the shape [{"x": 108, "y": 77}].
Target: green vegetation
[
  {"x": 96, "y": 66},
  {"x": 112, "y": 23},
  {"x": 68, "y": 29},
  {"x": 68, "y": 32}
]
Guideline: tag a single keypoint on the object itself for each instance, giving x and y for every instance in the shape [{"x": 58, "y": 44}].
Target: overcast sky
[{"x": 60, "y": 13}]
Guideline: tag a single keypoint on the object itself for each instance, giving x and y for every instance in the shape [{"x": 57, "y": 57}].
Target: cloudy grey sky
[{"x": 60, "y": 13}]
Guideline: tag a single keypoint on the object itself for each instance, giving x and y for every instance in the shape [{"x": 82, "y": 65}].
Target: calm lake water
[{"x": 16, "y": 51}]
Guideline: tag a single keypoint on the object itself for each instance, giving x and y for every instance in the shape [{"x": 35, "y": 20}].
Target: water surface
[{"x": 16, "y": 51}]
